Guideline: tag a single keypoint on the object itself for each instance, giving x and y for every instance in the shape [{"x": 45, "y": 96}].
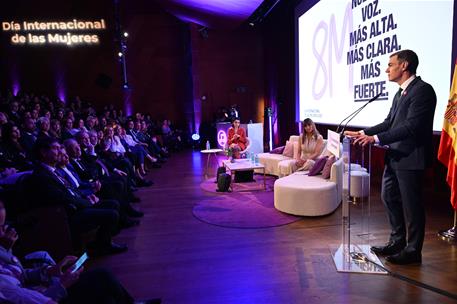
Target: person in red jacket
[{"x": 236, "y": 138}]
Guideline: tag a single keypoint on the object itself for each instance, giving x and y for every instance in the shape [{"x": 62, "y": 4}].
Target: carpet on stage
[{"x": 242, "y": 208}]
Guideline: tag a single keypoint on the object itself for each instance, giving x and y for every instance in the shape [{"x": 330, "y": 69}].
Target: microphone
[{"x": 354, "y": 114}]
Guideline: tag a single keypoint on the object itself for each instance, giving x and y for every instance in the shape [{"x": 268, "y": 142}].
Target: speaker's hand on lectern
[
  {"x": 364, "y": 140},
  {"x": 352, "y": 133}
]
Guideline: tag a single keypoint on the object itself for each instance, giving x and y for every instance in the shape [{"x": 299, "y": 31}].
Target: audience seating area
[{"x": 103, "y": 157}]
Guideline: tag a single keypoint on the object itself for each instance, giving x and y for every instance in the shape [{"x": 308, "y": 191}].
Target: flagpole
[
  {"x": 444, "y": 153},
  {"x": 449, "y": 235}
]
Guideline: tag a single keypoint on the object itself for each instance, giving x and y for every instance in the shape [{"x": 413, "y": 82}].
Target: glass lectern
[{"x": 356, "y": 211}]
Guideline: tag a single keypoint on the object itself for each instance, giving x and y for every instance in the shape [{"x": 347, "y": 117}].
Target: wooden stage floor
[{"x": 174, "y": 256}]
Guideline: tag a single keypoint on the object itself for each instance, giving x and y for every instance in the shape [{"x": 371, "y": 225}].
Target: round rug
[
  {"x": 242, "y": 210},
  {"x": 210, "y": 184}
]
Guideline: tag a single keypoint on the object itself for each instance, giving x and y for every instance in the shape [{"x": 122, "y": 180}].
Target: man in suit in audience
[
  {"x": 408, "y": 131},
  {"x": 106, "y": 189},
  {"x": 28, "y": 137},
  {"x": 89, "y": 166},
  {"x": 48, "y": 188}
]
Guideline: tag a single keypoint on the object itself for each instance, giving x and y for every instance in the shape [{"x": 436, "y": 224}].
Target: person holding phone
[{"x": 54, "y": 283}]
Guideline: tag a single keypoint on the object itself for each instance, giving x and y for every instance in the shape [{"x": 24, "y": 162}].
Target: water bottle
[
  {"x": 256, "y": 159},
  {"x": 252, "y": 157},
  {"x": 208, "y": 145}
]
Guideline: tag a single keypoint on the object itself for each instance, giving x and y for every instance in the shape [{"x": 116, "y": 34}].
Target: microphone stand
[{"x": 354, "y": 114}]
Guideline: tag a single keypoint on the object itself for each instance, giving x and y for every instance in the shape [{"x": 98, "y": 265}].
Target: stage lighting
[
  {"x": 195, "y": 136},
  {"x": 120, "y": 54},
  {"x": 126, "y": 85},
  {"x": 126, "y": 34}
]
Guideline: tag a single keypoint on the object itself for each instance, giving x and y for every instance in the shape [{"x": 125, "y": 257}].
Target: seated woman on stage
[
  {"x": 236, "y": 138},
  {"x": 310, "y": 145}
]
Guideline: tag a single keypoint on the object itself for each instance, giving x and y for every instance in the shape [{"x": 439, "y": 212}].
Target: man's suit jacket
[
  {"x": 84, "y": 187},
  {"x": 47, "y": 189},
  {"x": 27, "y": 142},
  {"x": 408, "y": 128},
  {"x": 84, "y": 169}
]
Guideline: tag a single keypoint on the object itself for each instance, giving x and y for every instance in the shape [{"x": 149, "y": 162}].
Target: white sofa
[
  {"x": 280, "y": 165},
  {"x": 305, "y": 195},
  {"x": 271, "y": 161}
]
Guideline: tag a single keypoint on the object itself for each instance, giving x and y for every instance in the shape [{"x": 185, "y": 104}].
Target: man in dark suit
[
  {"x": 408, "y": 131},
  {"x": 48, "y": 188},
  {"x": 28, "y": 137}
]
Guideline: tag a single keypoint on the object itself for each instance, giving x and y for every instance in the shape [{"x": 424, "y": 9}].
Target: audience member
[
  {"x": 51, "y": 283},
  {"x": 48, "y": 188}
]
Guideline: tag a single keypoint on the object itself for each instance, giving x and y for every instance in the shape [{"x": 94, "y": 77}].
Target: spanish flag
[{"x": 447, "y": 152}]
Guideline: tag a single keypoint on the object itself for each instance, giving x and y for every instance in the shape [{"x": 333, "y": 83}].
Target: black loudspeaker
[{"x": 103, "y": 81}]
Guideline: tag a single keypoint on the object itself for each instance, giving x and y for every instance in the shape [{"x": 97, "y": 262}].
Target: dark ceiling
[{"x": 222, "y": 14}]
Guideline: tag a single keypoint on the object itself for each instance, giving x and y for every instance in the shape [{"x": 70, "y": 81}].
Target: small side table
[{"x": 210, "y": 152}]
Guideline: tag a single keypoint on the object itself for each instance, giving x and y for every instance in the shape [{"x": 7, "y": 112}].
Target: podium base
[
  {"x": 345, "y": 262},
  {"x": 448, "y": 235}
]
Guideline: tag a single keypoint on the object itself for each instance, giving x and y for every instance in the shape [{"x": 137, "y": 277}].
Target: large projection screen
[{"x": 344, "y": 48}]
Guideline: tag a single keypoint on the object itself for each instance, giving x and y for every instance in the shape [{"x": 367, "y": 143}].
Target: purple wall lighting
[
  {"x": 275, "y": 125},
  {"x": 128, "y": 106},
  {"x": 15, "y": 82},
  {"x": 197, "y": 113},
  {"x": 61, "y": 94},
  {"x": 16, "y": 88},
  {"x": 61, "y": 88},
  {"x": 273, "y": 93}
]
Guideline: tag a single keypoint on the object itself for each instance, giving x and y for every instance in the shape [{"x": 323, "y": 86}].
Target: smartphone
[{"x": 82, "y": 259}]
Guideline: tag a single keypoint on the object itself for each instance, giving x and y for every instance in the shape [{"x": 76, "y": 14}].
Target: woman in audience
[
  {"x": 12, "y": 152},
  {"x": 67, "y": 127},
  {"x": 115, "y": 152},
  {"x": 236, "y": 138},
  {"x": 43, "y": 125},
  {"x": 90, "y": 123},
  {"x": 60, "y": 114},
  {"x": 55, "y": 130},
  {"x": 78, "y": 127},
  {"x": 136, "y": 148},
  {"x": 35, "y": 114}
]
